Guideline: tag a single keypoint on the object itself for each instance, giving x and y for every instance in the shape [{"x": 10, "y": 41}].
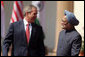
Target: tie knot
[{"x": 27, "y": 25}]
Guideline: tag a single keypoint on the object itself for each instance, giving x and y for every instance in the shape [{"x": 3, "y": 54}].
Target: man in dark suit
[
  {"x": 26, "y": 37},
  {"x": 69, "y": 43}
]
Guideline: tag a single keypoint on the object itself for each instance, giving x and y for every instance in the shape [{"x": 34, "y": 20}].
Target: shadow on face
[{"x": 33, "y": 14}]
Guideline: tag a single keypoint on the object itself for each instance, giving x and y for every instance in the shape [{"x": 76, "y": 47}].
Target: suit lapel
[
  {"x": 33, "y": 31},
  {"x": 22, "y": 31}
]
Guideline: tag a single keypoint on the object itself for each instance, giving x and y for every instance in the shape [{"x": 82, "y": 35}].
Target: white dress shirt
[{"x": 30, "y": 27}]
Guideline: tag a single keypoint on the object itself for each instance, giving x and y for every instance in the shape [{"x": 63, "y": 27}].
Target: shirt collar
[{"x": 25, "y": 22}]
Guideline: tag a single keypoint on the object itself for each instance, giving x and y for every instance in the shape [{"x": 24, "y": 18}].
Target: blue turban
[{"x": 71, "y": 18}]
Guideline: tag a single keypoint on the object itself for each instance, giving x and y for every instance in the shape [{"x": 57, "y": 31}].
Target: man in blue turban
[{"x": 69, "y": 43}]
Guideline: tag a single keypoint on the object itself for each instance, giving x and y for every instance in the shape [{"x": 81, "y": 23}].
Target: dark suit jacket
[
  {"x": 16, "y": 35},
  {"x": 69, "y": 43}
]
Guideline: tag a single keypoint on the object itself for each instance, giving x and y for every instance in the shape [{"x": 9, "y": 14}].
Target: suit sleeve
[
  {"x": 76, "y": 46},
  {"x": 7, "y": 41},
  {"x": 41, "y": 43}
]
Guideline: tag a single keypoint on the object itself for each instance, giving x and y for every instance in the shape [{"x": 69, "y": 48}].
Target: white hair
[{"x": 28, "y": 9}]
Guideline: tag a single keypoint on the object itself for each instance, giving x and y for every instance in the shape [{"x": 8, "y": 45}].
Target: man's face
[
  {"x": 33, "y": 15},
  {"x": 65, "y": 24}
]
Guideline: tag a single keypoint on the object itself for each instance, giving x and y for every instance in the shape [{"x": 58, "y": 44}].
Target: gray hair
[{"x": 28, "y": 9}]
